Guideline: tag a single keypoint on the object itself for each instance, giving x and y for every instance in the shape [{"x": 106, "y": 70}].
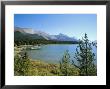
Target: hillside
[{"x": 28, "y": 33}]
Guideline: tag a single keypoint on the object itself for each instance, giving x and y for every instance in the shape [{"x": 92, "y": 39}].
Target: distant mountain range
[{"x": 28, "y": 33}]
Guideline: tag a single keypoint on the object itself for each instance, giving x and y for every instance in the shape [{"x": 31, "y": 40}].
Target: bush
[{"x": 22, "y": 65}]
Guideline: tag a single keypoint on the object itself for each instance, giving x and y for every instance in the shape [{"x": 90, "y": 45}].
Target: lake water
[{"x": 53, "y": 53}]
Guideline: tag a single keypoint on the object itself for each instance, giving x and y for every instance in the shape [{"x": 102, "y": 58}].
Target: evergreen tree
[
  {"x": 65, "y": 63},
  {"x": 85, "y": 58}
]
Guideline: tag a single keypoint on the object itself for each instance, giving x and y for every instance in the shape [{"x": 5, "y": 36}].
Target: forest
[{"x": 41, "y": 41}]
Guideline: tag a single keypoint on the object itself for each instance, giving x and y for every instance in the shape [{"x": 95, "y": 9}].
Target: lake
[{"x": 53, "y": 53}]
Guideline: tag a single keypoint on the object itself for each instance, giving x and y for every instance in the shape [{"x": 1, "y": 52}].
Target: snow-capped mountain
[
  {"x": 34, "y": 34},
  {"x": 63, "y": 37}
]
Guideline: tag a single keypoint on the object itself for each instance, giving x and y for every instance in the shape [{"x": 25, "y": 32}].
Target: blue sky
[{"x": 73, "y": 25}]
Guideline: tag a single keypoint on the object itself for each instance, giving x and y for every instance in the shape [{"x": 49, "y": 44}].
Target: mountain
[
  {"x": 24, "y": 30},
  {"x": 21, "y": 36},
  {"x": 28, "y": 33},
  {"x": 63, "y": 37},
  {"x": 25, "y": 33},
  {"x": 43, "y": 34}
]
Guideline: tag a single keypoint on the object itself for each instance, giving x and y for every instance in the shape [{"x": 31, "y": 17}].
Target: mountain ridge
[{"x": 39, "y": 34}]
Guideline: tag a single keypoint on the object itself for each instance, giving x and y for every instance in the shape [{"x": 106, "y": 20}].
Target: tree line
[{"x": 41, "y": 41}]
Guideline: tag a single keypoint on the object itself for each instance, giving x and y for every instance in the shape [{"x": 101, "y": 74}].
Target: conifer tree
[
  {"x": 65, "y": 63},
  {"x": 85, "y": 58}
]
